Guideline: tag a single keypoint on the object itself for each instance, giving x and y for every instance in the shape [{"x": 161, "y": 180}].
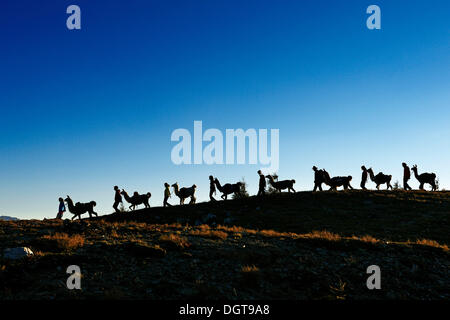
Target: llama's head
[
  {"x": 239, "y": 184},
  {"x": 93, "y": 203},
  {"x": 414, "y": 167},
  {"x": 314, "y": 168},
  {"x": 68, "y": 199},
  {"x": 148, "y": 194},
  {"x": 194, "y": 186},
  {"x": 175, "y": 185},
  {"x": 349, "y": 178}
]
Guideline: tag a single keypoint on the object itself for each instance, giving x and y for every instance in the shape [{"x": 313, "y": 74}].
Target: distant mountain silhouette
[{"x": 6, "y": 218}]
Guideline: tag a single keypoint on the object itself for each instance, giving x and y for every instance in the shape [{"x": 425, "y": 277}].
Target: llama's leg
[{"x": 421, "y": 186}]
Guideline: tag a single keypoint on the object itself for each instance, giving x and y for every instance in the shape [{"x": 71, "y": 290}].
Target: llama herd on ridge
[{"x": 320, "y": 177}]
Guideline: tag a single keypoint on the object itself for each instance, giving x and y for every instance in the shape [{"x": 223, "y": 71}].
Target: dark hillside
[
  {"x": 389, "y": 215},
  {"x": 290, "y": 246}
]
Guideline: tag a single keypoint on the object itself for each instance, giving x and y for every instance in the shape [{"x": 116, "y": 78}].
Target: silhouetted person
[
  {"x": 318, "y": 179},
  {"x": 406, "y": 176},
  {"x": 212, "y": 188},
  {"x": 61, "y": 209},
  {"x": 117, "y": 199},
  {"x": 262, "y": 184},
  {"x": 167, "y": 195},
  {"x": 364, "y": 178}
]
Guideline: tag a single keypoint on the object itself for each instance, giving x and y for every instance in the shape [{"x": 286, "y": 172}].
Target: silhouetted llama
[
  {"x": 184, "y": 193},
  {"x": 281, "y": 185},
  {"x": 228, "y": 188},
  {"x": 380, "y": 178},
  {"x": 80, "y": 208},
  {"x": 137, "y": 199},
  {"x": 336, "y": 182},
  {"x": 425, "y": 177}
]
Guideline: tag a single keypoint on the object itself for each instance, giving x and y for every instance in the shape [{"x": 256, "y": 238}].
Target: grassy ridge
[
  {"x": 388, "y": 215},
  {"x": 290, "y": 246}
]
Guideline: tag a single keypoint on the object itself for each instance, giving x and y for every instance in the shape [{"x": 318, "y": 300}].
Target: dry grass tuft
[
  {"x": 214, "y": 234},
  {"x": 326, "y": 235},
  {"x": 270, "y": 233},
  {"x": 432, "y": 243},
  {"x": 175, "y": 240},
  {"x": 368, "y": 239},
  {"x": 251, "y": 268},
  {"x": 64, "y": 241}
]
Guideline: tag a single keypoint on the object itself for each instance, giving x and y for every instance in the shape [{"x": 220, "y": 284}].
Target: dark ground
[{"x": 290, "y": 246}]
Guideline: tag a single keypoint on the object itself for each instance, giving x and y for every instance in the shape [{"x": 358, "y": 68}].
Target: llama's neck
[
  {"x": 70, "y": 205},
  {"x": 271, "y": 181},
  {"x": 416, "y": 174},
  {"x": 126, "y": 196},
  {"x": 218, "y": 185},
  {"x": 175, "y": 188},
  {"x": 372, "y": 177}
]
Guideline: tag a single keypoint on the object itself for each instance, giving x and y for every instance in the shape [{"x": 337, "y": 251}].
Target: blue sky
[{"x": 84, "y": 110}]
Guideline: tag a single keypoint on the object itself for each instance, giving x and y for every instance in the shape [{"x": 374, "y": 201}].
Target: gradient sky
[{"x": 84, "y": 110}]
